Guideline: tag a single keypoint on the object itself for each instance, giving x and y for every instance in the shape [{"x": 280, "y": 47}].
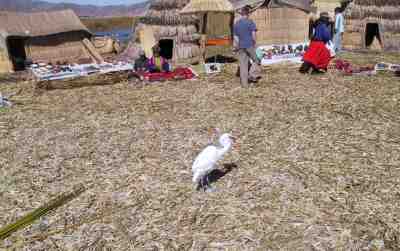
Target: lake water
[{"x": 122, "y": 35}]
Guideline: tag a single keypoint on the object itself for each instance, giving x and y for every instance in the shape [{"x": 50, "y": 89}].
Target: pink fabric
[{"x": 178, "y": 73}]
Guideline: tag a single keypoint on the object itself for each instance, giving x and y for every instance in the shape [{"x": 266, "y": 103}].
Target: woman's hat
[{"x": 324, "y": 14}]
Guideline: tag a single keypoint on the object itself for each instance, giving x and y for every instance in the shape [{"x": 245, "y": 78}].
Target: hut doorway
[
  {"x": 166, "y": 48},
  {"x": 371, "y": 32},
  {"x": 17, "y": 54}
]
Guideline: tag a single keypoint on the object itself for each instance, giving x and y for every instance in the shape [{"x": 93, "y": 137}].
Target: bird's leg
[
  {"x": 209, "y": 187},
  {"x": 202, "y": 183},
  {"x": 208, "y": 180}
]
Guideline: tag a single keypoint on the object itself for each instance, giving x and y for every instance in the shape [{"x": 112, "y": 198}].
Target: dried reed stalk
[{"x": 43, "y": 210}]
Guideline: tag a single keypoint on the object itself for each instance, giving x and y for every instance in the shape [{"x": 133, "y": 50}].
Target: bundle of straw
[{"x": 43, "y": 210}]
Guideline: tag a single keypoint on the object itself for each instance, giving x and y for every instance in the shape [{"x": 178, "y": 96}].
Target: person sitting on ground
[
  {"x": 318, "y": 56},
  {"x": 157, "y": 63},
  {"x": 141, "y": 62}
]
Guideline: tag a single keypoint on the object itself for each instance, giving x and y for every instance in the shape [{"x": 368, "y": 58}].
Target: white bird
[{"x": 206, "y": 161}]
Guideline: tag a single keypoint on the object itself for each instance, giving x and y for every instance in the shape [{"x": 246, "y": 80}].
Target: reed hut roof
[
  {"x": 168, "y": 4},
  {"x": 381, "y": 9},
  {"x": 304, "y": 5},
  {"x": 377, "y": 2},
  {"x": 40, "y": 23},
  {"x": 196, "y": 6},
  {"x": 166, "y": 12}
]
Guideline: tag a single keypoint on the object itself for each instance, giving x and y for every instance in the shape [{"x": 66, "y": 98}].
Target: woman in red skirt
[{"x": 317, "y": 57}]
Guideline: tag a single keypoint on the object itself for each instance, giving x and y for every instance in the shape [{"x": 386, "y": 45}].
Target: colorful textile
[
  {"x": 318, "y": 55},
  {"x": 177, "y": 74},
  {"x": 348, "y": 69},
  {"x": 156, "y": 64}
]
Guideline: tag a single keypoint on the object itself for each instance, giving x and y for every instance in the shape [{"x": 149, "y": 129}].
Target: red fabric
[
  {"x": 318, "y": 55},
  {"x": 347, "y": 68},
  {"x": 178, "y": 73},
  {"x": 343, "y": 66}
]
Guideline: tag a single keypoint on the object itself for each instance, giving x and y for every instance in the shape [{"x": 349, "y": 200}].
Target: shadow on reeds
[
  {"x": 81, "y": 82},
  {"x": 218, "y": 174}
]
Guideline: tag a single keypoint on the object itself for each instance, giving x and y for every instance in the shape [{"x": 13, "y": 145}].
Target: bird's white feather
[{"x": 204, "y": 162}]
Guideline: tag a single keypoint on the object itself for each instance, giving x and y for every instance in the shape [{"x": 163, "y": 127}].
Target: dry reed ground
[{"x": 318, "y": 167}]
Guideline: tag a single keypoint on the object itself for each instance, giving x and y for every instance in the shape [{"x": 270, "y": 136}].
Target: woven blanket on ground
[
  {"x": 387, "y": 67},
  {"x": 348, "y": 69},
  {"x": 177, "y": 74}
]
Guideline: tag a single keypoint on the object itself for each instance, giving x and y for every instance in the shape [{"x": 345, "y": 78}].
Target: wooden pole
[{"x": 203, "y": 40}]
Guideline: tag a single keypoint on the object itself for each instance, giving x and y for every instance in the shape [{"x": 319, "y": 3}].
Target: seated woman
[
  {"x": 141, "y": 62},
  {"x": 157, "y": 63},
  {"x": 317, "y": 57}
]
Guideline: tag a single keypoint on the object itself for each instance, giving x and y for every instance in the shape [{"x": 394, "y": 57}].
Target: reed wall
[
  {"x": 57, "y": 48},
  {"x": 281, "y": 25},
  {"x": 5, "y": 64}
]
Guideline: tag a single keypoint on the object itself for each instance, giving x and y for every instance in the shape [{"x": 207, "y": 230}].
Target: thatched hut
[
  {"x": 371, "y": 22},
  {"x": 279, "y": 21},
  {"x": 42, "y": 36},
  {"x": 176, "y": 34},
  {"x": 215, "y": 24},
  {"x": 216, "y": 17}
]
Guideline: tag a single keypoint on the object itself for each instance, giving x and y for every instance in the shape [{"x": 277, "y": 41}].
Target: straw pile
[{"x": 316, "y": 169}]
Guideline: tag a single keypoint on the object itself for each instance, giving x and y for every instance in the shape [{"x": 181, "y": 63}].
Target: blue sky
[{"x": 97, "y": 2}]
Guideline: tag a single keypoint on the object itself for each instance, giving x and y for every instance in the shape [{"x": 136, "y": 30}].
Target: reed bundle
[
  {"x": 104, "y": 45},
  {"x": 43, "y": 210}
]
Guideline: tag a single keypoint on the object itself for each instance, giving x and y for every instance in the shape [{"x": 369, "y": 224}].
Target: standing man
[
  {"x": 339, "y": 29},
  {"x": 244, "y": 42}
]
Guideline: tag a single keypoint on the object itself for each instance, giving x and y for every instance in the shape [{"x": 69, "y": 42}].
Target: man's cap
[{"x": 245, "y": 10}]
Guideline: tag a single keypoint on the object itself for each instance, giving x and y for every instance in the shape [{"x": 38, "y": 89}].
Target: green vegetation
[{"x": 36, "y": 214}]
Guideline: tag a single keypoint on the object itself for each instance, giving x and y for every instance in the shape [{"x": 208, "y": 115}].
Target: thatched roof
[
  {"x": 40, "y": 23},
  {"x": 304, "y": 5},
  {"x": 168, "y": 4},
  {"x": 374, "y": 9},
  {"x": 377, "y": 2},
  {"x": 196, "y": 6},
  {"x": 166, "y": 12}
]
